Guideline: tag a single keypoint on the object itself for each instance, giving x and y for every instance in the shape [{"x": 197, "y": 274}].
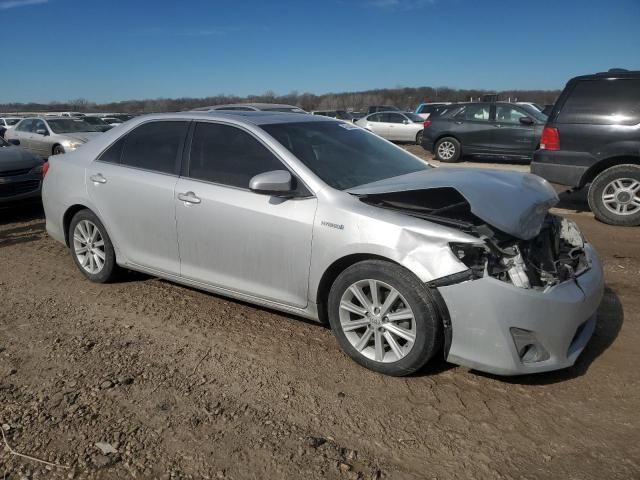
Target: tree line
[{"x": 404, "y": 97}]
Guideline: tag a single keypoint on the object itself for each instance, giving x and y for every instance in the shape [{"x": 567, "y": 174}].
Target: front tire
[
  {"x": 91, "y": 247},
  {"x": 384, "y": 318},
  {"x": 58, "y": 150},
  {"x": 614, "y": 195},
  {"x": 448, "y": 150}
]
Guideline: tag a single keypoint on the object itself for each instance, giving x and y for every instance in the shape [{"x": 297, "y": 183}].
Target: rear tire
[
  {"x": 419, "y": 137},
  {"x": 448, "y": 150},
  {"x": 614, "y": 195},
  {"x": 395, "y": 331},
  {"x": 91, "y": 248}
]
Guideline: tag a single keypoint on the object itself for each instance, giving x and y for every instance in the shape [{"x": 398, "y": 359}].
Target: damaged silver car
[{"x": 325, "y": 220}]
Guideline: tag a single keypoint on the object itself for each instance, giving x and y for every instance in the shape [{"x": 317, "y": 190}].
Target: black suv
[{"x": 592, "y": 138}]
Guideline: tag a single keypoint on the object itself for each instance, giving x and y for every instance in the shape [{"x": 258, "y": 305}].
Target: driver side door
[
  {"x": 232, "y": 238},
  {"x": 40, "y": 139}
]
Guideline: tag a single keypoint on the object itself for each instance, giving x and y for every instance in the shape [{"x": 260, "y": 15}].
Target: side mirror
[
  {"x": 14, "y": 141},
  {"x": 276, "y": 183},
  {"x": 526, "y": 120},
  {"x": 42, "y": 132},
  {"x": 406, "y": 122}
]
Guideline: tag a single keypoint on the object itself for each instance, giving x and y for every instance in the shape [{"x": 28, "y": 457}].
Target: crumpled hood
[
  {"x": 513, "y": 202},
  {"x": 83, "y": 137},
  {"x": 15, "y": 158}
]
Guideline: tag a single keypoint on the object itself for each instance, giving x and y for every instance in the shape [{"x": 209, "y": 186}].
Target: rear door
[
  {"x": 473, "y": 126},
  {"x": 23, "y": 134},
  {"x": 132, "y": 185},
  {"x": 396, "y": 128},
  {"x": 376, "y": 124},
  {"x": 510, "y": 136}
]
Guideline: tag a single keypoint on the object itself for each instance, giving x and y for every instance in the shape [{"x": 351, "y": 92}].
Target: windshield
[
  {"x": 344, "y": 155},
  {"x": 94, "y": 121},
  {"x": 70, "y": 126},
  {"x": 112, "y": 120},
  {"x": 11, "y": 121}
]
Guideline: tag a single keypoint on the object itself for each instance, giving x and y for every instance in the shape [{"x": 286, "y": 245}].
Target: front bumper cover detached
[{"x": 485, "y": 312}]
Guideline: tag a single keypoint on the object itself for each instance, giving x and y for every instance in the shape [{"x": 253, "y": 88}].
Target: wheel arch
[
  {"x": 332, "y": 272},
  {"x": 605, "y": 164}
]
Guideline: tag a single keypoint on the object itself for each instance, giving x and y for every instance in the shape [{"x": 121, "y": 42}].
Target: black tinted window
[
  {"x": 393, "y": 118},
  {"x": 374, "y": 118},
  {"x": 604, "y": 102},
  {"x": 113, "y": 153},
  {"x": 155, "y": 146},
  {"x": 228, "y": 155}
]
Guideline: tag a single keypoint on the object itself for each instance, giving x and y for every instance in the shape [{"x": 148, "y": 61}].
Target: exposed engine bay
[{"x": 556, "y": 254}]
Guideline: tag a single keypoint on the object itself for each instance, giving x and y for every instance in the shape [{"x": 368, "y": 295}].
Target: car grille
[
  {"x": 18, "y": 188},
  {"x": 13, "y": 173}
]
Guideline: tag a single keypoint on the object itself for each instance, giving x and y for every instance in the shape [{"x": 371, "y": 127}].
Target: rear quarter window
[{"x": 603, "y": 102}]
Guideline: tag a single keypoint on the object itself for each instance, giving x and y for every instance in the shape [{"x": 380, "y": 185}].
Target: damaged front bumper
[{"x": 491, "y": 319}]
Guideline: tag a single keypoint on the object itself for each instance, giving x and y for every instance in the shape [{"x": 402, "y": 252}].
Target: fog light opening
[{"x": 528, "y": 347}]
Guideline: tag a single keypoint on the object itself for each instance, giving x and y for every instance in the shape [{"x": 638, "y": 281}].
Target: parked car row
[{"x": 46, "y": 136}]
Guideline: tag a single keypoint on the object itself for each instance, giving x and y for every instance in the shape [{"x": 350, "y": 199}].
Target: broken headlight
[{"x": 474, "y": 256}]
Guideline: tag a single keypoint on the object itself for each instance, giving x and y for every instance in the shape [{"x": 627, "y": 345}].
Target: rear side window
[
  {"x": 114, "y": 152},
  {"x": 155, "y": 146},
  {"x": 603, "y": 102},
  {"x": 474, "y": 113},
  {"x": 25, "y": 126},
  {"x": 228, "y": 156}
]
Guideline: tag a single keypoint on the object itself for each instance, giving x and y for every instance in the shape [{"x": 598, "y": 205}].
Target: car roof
[
  {"x": 252, "y": 117},
  {"x": 259, "y": 106},
  {"x": 613, "y": 73}
]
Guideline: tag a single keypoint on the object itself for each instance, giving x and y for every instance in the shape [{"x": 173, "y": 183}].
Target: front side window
[
  {"x": 508, "y": 114},
  {"x": 39, "y": 127},
  {"x": 342, "y": 155},
  {"x": 603, "y": 102},
  {"x": 228, "y": 155},
  {"x": 393, "y": 118},
  {"x": 155, "y": 146}
]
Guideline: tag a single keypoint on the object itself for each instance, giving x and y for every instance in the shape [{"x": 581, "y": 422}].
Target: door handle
[
  {"x": 98, "y": 178},
  {"x": 459, "y": 122},
  {"x": 497, "y": 125},
  {"x": 189, "y": 197}
]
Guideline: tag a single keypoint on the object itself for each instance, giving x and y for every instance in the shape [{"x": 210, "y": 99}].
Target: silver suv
[{"x": 325, "y": 220}]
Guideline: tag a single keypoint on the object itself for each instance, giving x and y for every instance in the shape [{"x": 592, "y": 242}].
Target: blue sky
[{"x": 105, "y": 50}]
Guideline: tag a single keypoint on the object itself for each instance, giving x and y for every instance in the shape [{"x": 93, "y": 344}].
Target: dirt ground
[{"x": 147, "y": 379}]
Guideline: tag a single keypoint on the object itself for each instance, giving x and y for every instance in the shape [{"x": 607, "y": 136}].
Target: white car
[
  {"x": 396, "y": 126},
  {"x": 7, "y": 123}
]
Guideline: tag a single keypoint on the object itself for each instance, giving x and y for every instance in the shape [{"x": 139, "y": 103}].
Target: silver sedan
[
  {"x": 325, "y": 220},
  {"x": 395, "y": 126},
  {"x": 51, "y": 135}
]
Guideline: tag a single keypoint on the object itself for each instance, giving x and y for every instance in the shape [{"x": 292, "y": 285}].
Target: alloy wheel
[
  {"x": 377, "y": 321},
  {"x": 88, "y": 246},
  {"x": 622, "y": 196},
  {"x": 446, "y": 150}
]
